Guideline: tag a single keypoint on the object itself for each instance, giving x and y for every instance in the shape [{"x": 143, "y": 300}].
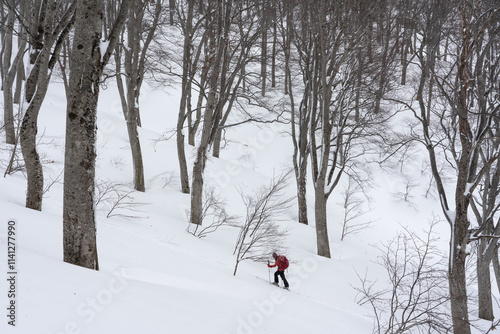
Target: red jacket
[{"x": 278, "y": 263}]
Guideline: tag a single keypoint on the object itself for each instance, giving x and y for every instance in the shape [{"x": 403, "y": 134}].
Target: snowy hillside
[{"x": 154, "y": 276}]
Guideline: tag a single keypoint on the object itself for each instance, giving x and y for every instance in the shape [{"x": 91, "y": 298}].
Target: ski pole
[{"x": 269, "y": 271}]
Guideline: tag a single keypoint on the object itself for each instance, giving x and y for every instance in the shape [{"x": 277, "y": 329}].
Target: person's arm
[{"x": 273, "y": 265}]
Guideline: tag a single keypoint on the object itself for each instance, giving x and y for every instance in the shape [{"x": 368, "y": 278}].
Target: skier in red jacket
[{"x": 282, "y": 263}]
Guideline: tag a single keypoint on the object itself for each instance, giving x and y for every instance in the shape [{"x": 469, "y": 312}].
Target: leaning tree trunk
[
  {"x": 34, "y": 170},
  {"x": 46, "y": 42},
  {"x": 36, "y": 88}
]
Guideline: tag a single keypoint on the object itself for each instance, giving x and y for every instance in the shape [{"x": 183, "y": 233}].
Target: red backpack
[{"x": 284, "y": 261}]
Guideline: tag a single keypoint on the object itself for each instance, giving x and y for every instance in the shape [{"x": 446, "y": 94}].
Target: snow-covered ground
[{"x": 154, "y": 276}]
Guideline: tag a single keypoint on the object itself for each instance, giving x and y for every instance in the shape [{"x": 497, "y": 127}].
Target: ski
[{"x": 272, "y": 283}]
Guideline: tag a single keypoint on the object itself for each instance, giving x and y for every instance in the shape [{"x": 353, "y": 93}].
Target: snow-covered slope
[{"x": 154, "y": 276}]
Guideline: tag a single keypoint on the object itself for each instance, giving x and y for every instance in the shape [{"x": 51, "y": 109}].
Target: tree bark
[
  {"x": 457, "y": 277},
  {"x": 496, "y": 268},
  {"x": 86, "y": 67},
  {"x": 135, "y": 147},
  {"x": 20, "y": 76},
  {"x": 320, "y": 202},
  {"x": 301, "y": 196},
  {"x": 8, "y": 78},
  {"x": 80, "y": 245},
  {"x": 485, "y": 309}
]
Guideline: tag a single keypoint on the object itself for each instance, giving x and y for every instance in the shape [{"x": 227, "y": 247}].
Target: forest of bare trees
[{"x": 342, "y": 71}]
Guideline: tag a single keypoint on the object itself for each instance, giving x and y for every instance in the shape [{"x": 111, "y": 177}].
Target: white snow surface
[{"x": 155, "y": 277}]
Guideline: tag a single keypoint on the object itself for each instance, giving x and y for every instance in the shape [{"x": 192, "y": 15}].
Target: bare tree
[
  {"x": 413, "y": 298},
  {"x": 354, "y": 209},
  {"x": 186, "y": 24},
  {"x": 336, "y": 133},
  {"x": 329, "y": 98},
  {"x": 301, "y": 116},
  {"x": 116, "y": 200},
  {"x": 237, "y": 56},
  {"x": 214, "y": 209},
  {"x": 226, "y": 54},
  {"x": 261, "y": 233},
  {"x": 217, "y": 23},
  {"x": 140, "y": 30}
]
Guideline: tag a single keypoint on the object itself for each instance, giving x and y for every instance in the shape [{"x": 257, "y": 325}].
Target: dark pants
[{"x": 282, "y": 274}]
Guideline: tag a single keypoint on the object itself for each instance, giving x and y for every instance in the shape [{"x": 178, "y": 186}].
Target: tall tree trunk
[
  {"x": 325, "y": 118},
  {"x": 201, "y": 156},
  {"x": 300, "y": 123},
  {"x": 186, "y": 86},
  {"x": 80, "y": 245},
  {"x": 86, "y": 67}
]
